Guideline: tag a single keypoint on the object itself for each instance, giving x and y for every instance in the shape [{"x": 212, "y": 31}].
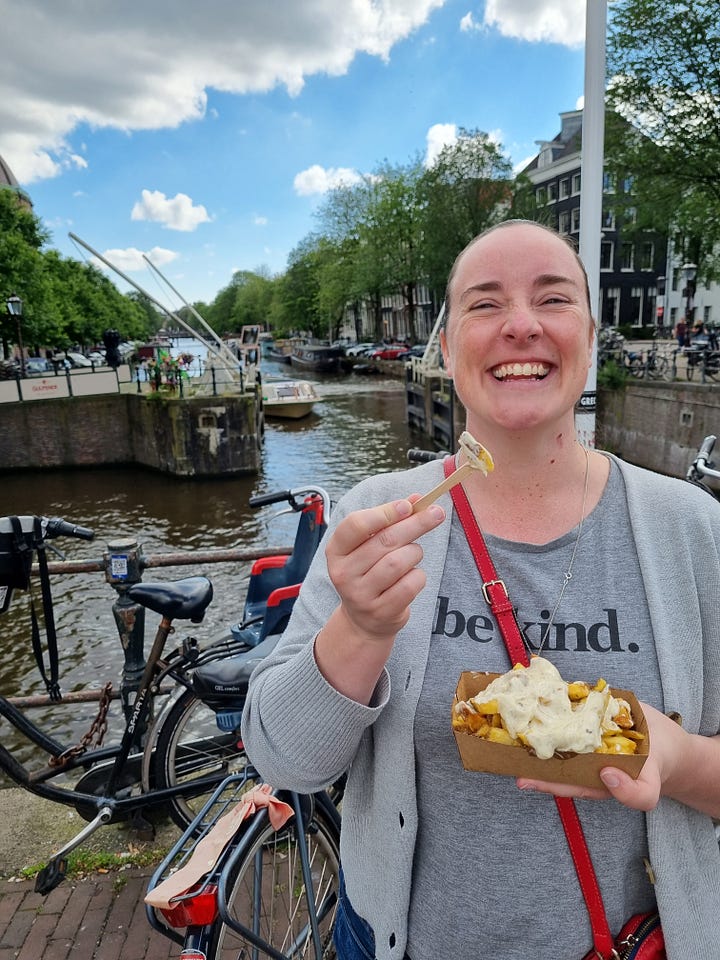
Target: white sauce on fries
[{"x": 536, "y": 709}]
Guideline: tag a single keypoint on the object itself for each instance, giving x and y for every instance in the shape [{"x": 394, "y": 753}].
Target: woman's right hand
[{"x": 372, "y": 560}]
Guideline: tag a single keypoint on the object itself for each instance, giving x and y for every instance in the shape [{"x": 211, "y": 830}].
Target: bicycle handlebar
[
  {"x": 57, "y": 527},
  {"x": 295, "y": 497},
  {"x": 416, "y": 455},
  {"x": 702, "y": 465}
]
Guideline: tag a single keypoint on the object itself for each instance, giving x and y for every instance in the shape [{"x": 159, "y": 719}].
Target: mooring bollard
[{"x": 123, "y": 567}]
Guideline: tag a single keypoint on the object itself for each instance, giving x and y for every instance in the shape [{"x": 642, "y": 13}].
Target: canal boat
[
  {"x": 319, "y": 357},
  {"x": 288, "y": 399}
]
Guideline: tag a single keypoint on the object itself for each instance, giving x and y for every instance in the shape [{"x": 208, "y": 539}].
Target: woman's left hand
[{"x": 667, "y": 742}]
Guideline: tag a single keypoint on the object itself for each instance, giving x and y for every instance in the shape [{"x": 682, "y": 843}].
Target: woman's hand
[
  {"x": 679, "y": 765},
  {"x": 372, "y": 560}
]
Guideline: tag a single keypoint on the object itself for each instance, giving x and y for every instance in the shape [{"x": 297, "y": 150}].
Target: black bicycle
[{"x": 174, "y": 762}]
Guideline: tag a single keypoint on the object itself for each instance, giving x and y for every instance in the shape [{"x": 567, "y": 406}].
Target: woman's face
[{"x": 518, "y": 341}]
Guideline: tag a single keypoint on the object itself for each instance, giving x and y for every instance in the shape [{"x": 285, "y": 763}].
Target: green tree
[
  {"x": 664, "y": 68},
  {"x": 468, "y": 188},
  {"x": 21, "y": 267}
]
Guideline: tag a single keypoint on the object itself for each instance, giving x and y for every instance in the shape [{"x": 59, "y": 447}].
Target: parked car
[
  {"x": 389, "y": 351},
  {"x": 37, "y": 367},
  {"x": 415, "y": 351},
  {"x": 78, "y": 360},
  {"x": 359, "y": 349}
]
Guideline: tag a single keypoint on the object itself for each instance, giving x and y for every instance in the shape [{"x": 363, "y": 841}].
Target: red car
[{"x": 390, "y": 352}]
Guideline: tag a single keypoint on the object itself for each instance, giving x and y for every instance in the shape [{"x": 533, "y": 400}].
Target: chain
[{"x": 94, "y": 736}]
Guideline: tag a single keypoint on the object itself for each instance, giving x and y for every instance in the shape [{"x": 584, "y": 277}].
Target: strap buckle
[{"x": 494, "y": 583}]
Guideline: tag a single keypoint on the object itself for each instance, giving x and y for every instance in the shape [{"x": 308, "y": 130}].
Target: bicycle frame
[{"x": 38, "y": 782}]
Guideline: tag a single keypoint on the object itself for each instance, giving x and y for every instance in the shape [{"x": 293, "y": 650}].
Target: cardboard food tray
[{"x": 583, "y": 769}]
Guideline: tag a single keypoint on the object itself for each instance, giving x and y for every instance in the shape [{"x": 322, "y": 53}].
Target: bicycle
[
  {"x": 192, "y": 744},
  {"x": 272, "y": 892}
]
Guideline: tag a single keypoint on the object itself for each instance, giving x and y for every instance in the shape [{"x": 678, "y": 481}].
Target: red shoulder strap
[{"x": 497, "y": 597}]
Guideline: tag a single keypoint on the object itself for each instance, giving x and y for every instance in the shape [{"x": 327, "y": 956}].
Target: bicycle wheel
[
  {"x": 189, "y": 746},
  {"x": 661, "y": 369},
  {"x": 266, "y": 893}
]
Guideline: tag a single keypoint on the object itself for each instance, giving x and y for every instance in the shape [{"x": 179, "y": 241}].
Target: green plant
[
  {"x": 83, "y": 862},
  {"x": 611, "y": 376}
]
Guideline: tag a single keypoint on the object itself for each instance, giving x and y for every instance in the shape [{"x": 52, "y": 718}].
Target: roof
[{"x": 9, "y": 181}]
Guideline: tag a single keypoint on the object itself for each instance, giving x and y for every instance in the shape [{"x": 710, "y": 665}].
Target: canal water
[{"x": 357, "y": 428}]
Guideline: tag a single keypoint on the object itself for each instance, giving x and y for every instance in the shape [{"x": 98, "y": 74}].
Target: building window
[
  {"x": 647, "y": 255},
  {"x": 608, "y": 220},
  {"x": 540, "y": 196},
  {"x": 552, "y": 192},
  {"x": 610, "y": 306},
  {"x": 627, "y": 255},
  {"x": 636, "y": 305},
  {"x": 706, "y": 314},
  {"x": 564, "y": 189},
  {"x": 564, "y": 221},
  {"x": 606, "y": 254},
  {"x": 608, "y": 183},
  {"x": 575, "y": 219},
  {"x": 629, "y": 185},
  {"x": 630, "y": 215},
  {"x": 576, "y": 183}
]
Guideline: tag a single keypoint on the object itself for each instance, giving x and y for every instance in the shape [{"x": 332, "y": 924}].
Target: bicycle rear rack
[{"x": 197, "y": 906}]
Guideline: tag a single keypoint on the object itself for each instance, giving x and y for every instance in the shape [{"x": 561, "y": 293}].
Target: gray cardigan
[{"x": 301, "y": 733}]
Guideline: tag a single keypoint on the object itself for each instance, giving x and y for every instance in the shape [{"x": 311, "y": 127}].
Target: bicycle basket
[{"x": 18, "y": 536}]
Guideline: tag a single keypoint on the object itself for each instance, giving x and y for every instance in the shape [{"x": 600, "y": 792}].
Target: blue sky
[{"x": 204, "y": 135}]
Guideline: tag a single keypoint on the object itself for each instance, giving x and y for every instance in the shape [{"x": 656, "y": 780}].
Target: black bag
[{"x": 18, "y": 538}]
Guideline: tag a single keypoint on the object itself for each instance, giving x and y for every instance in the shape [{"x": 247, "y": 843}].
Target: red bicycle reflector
[
  {"x": 192, "y": 955},
  {"x": 194, "y": 910}
]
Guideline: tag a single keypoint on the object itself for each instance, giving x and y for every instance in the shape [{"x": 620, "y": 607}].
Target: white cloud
[
  {"x": 260, "y": 221},
  {"x": 103, "y": 68},
  {"x": 467, "y": 24},
  {"x": 554, "y": 21},
  {"x": 130, "y": 260},
  {"x": 317, "y": 179},
  {"x": 178, "y": 213},
  {"x": 438, "y": 136}
]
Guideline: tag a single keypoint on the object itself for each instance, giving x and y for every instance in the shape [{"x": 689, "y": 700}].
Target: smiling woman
[{"x": 398, "y": 607}]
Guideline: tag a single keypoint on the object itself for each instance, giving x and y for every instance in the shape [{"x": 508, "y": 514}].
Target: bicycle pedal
[{"x": 51, "y": 876}]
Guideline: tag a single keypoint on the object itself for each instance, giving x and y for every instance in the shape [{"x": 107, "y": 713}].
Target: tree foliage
[{"x": 664, "y": 68}]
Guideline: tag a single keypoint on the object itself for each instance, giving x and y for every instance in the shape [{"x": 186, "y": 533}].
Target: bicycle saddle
[
  {"x": 186, "y": 599},
  {"x": 214, "y": 682}
]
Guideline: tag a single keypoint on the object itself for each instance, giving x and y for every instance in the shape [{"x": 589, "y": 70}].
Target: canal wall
[
  {"x": 198, "y": 436},
  {"x": 658, "y": 425}
]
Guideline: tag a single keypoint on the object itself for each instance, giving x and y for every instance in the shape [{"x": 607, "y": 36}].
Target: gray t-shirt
[{"x": 494, "y": 878}]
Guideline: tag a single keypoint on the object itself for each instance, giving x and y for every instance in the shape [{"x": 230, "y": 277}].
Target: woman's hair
[{"x": 500, "y": 226}]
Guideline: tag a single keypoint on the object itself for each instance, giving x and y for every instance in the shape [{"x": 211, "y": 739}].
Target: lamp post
[
  {"x": 15, "y": 309},
  {"x": 689, "y": 273}
]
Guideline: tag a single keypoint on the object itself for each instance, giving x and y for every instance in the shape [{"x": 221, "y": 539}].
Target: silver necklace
[{"x": 568, "y": 575}]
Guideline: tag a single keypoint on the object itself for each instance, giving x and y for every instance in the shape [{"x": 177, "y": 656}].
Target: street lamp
[
  {"x": 15, "y": 309},
  {"x": 689, "y": 273}
]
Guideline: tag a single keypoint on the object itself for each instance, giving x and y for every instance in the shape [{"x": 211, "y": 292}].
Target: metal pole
[
  {"x": 593, "y": 146},
  {"x": 123, "y": 567}
]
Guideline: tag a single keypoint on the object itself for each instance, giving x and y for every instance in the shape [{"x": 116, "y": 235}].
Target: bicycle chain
[{"x": 94, "y": 736}]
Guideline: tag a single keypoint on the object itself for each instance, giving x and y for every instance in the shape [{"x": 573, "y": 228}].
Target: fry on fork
[{"x": 477, "y": 458}]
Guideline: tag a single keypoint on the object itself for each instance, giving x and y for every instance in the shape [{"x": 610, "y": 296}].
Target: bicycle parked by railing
[{"x": 174, "y": 762}]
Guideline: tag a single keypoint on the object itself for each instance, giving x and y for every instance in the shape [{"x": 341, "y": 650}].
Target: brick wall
[{"x": 191, "y": 437}]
